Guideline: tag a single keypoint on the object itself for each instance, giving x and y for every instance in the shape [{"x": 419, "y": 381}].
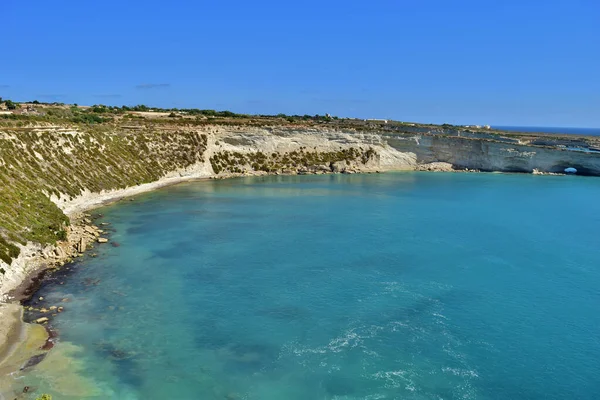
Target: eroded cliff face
[
  {"x": 280, "y": 150},
  {"x": 490, "y": 155},
  {"x": 403, "y": 151},
  {"x": 48, "y": 173}
]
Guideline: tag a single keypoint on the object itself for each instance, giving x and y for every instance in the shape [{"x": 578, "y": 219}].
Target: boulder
[
  {"x": 58, "y": 252},
  {"x": 48, "y": 251},
  {"x": 338, "y": 166},
  {"x": 102, "y": 240},
  {"x": 42, "y": 320},
  {"x": 319, "y": 168},
  {"x": 81, "y": 245},
  {"x": 437, "y": 166}
]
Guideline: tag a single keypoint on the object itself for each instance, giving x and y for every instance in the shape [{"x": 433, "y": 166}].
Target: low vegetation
[
  {"x": 235, "y": 162},
  {"x": 37, "y": 163}
]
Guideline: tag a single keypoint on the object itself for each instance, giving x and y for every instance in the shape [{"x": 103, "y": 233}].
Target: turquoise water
[{"x": 392, "y": 286}]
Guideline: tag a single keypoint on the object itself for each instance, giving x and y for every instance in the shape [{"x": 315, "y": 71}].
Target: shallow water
[{"x": 393, "y": 286}]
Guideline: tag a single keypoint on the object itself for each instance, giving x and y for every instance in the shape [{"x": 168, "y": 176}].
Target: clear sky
[{"x": 499, "y": 62}]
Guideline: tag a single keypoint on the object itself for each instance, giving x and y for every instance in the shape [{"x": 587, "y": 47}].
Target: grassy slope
[{"x": 35, "y": 164}]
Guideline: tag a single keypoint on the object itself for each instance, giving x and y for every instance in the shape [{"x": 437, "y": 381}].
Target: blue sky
[{"x": 489, "y": 62}]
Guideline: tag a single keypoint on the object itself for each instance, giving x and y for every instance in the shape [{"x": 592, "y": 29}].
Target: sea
[
  {"x": 555, "y": 130},
  {"x": 407, "y": 285}
]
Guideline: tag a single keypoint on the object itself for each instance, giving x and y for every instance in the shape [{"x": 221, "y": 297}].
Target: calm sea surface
[
  {"x": 391, "y": 286},
  {"x": 542, "y": 129}
]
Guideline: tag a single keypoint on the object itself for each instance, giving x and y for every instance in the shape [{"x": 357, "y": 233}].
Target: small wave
[
  {"x": 461, "y": 372},
  {"x": 435, "y": 314},
  {"x": 395, "y": 287},
  {"x": 396, "y": 379},
  {"x": 376, "y": 397},
  {"x": 350, "y": 339},
  {"x": 397, "y": 325},
  {"x": 454, "y": 353}
]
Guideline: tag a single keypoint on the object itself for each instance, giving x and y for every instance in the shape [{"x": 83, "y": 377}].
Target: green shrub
[{"x": 61, "y": 235}]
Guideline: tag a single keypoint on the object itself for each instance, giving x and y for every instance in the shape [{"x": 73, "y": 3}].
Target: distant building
[
  {"x": 478, "y": 126},
  {"x": 385, "y": 121}
]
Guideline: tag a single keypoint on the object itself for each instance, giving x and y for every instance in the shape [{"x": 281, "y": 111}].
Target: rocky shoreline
[
  {"x": 81, "y": 233},
  {"x": 16, "y": 336}
]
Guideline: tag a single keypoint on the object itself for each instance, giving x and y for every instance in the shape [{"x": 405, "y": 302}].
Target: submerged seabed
[{"x": 394, "y": 286}]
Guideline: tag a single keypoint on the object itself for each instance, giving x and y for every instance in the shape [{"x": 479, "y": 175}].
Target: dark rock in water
[
  {"x": 91, "y": 282},
  {"x": 48, "y": 345},
  {"x": 52, "y": 334},
  {"x": 124, "y": 362},
  {"x": 113, "y": 352},
  {"x": 119, "y": 354},
  {"x": 115, "y": 244},
  {"x": 33, "y": 361}
]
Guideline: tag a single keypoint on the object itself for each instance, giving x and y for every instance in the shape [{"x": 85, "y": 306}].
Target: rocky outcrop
[
  {"x": 436, "y": 167},
  {"x": 338, "y": 166},
  {"x": 81, "y": 246},
  {"x": 493, "y": 155},
  {"x": 21, "y": 278}
]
